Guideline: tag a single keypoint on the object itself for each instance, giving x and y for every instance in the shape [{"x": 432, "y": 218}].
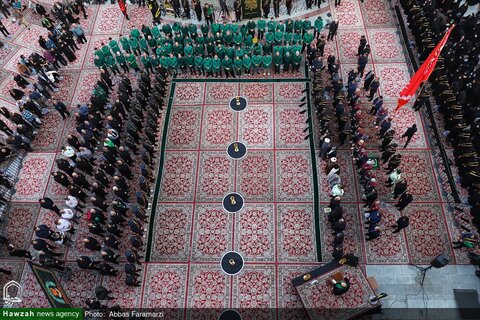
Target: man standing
[
  {"x": 332, "y": 29},
  {"x": 61, "y": 108},
  {"x": 409, "y": 134},
  {"x": 362, "y": 63},
  {"x": 402, "y": 223}
]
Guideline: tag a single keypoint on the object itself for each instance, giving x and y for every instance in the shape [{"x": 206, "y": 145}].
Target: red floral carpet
[{"x": 275, "y": 232}]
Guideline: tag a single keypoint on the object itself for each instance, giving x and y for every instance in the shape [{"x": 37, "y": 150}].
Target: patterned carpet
[{"x": 276, "y": 230}]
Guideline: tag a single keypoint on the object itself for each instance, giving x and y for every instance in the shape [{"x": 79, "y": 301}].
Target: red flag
[{"x": 423, "y": 73}]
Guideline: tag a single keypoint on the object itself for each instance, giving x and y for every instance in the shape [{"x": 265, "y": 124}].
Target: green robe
[
  {"x": 167, "y": 29},
  {"x": 267, "y": 61},
  {"x": 306, "y": 25},
  {"x": 318, "y": 24},
  {"x": 132, "y": 61},
  {"x": 125, "y": 43},
  {"x": 237, "y": 65},
  {"x": 247, "y": 62},
  {"x": 216, "y": 64},
  {"x": 135, "y": 33},
  {"x": 257, "y": 60},
  {"x": 133, "y": 43},
  {"x": 207, "y": 64}
]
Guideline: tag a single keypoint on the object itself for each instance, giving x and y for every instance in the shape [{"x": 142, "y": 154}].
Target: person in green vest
[
  {"x": 248, "y": 40},
  {"x": 210, "y": 49},
  {"x": 210, "y": 38},
  {"x": 177, "y": 49},
  {"x": 190, "y": 60},
  {"x": 100, "y": 93},
  {"x": 144, "y": 45},
  {"x": 147, "y": 62},
  {"x": 287, "y": 60},
  {"x": 207, "y": 66},
  {"x": 257, "y": 48},
  {"x": 267, "y": 64},
  {"x": 200, "y": 40},
  {"x": 176, "y": 27},
  {"x": 134, "y": 45},
  {"x": 205, "y": 29},
  {"x": 152, "y": 43},
  {"x": 218, "y": 38},
  {"x": 269, "y": 38},
  {"x": 238, "y": 39},
  {"x": 277, "y": 61},
  {"x": 278, "y": 36},
  {"x": 298, "y": 25},
  {"x": 99, "y": 61},
  {"x": 257, "y": 64},
  {"x": 160, "y": 52},
  {"x": 289, "y": 25},
  {"x": 217, "y": 66},
  {"x": 125, "y": 44},
  {"x": 188, "y": 50},
  {"x": 188, "y": 41},
  {"x": 243, "y": 30},
  {"x": 199, "y": 65},
  {"x": 155, "y": 61},
  {"x": 220, "y": 51},
  {"x": 247, "y": 63},
  {"x": 251, "y": 27},
  {"x": 288, "y": 38},
  {"x": 248, "y": 50},
  {"x": 178, "y": 38},
  {"x": 113, "y": 44},
  {"x": 172, "y": 60},
  {"x": 135, "y": 33},
  {"x": 182, "y": 63},
  {"x": 227, "y": 65},
  {"x": 297, "y": 37},
  {"x": 165, "y": 63},
  {"x": 297, "y": 60},
  {"x": 122, "y": 61},
  {"x": 272, "y": 25},
  {"x": 184, "y": 29},
  {"x": 267, "y": 48},
  {"x": 199, "y": 50},
  {"x": 167, "y": 30},
  {"x": 318, "y": 25},
  {"x": 106, "y": 51},
  {"x": 261, "y": 25},
  {"x": 278, "y": 49},
  {"x": 132, "y": 62},
  {"x": 228, "y": 38},
  {"x": 110, "y": 62},
  {"x": 146, "y": 30},
  {"x": 215, "y": 28},
  {"x": 306, "y": 25},
  {"x": 167, "y": 46},
  {"x": 280, "y": 27},
  {"x": 224, "y": 27},
  {"x": 307, "y": 40},
  {"x": 192, "y": 31},
  {"x": 238, "y": 65},
  {"x": 230, "y": 52},
  {"x": 234, "y": 28},
  {"x": 295, "y": 48},
  {"x": 239, "y": 52},
  {"x": 156, "y": 32}
]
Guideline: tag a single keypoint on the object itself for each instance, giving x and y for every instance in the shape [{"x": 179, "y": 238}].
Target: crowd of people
[
  {"x": 455, "y": 88},
  {"x": 37, "y": 79},
  {"x": 352, "y": 115},
  {"x": 113, "y": 147},
  {"x": 216, "y": 50}
]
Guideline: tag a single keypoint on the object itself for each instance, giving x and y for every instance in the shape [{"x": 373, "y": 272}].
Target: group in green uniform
[{"x": 212, "y": 50}]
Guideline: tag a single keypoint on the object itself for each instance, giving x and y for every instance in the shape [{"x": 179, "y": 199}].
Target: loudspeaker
[{"x": 440, "y": 261}]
